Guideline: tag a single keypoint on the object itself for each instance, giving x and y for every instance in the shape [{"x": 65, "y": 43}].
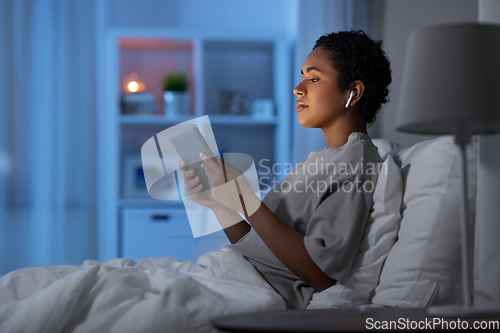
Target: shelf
[
  {"x": 214, "y": 120},
  {"x": 251, "y": 67},
  {"x": 150, "y": 203},
  {"x": 151, "y": 60},
  {"x": 241, "y": 120},
  {"x": 236, "y": 72}
]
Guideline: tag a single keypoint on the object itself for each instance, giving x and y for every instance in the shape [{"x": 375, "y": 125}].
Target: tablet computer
[{"x": 189, "y": 143}]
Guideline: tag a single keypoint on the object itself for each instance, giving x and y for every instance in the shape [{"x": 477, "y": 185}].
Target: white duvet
[{"x": 154, "y": 295}]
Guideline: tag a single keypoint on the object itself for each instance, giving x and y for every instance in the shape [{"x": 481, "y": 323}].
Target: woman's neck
[{"x": 338, "y": 133}]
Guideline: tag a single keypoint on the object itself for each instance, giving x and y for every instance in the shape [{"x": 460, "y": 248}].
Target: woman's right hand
[
  {"x": 194, "y": 187},
  {"x": 226, "y": 216}
]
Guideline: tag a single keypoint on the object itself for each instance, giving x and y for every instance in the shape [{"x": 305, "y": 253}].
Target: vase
[{"x": 176, "y": 103}]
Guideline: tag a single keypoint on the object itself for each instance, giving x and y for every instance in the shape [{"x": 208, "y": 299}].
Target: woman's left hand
[{"x": 220, "y": 174}]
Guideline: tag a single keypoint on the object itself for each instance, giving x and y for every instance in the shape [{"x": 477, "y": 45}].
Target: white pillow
[
  {"x": 384, "y": 146},
  {"x": 379, "y": 236},
  {"x": 423, "y": 267}
]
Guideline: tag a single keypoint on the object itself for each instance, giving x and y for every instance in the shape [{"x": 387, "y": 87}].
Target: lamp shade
[{"x": 451, "y": 80}]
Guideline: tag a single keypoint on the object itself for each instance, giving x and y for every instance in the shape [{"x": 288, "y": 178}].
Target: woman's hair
[{"x": 357, "y": 57}]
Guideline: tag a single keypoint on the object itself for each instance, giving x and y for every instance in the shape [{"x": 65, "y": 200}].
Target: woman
[{"x": 305, "y": 234}]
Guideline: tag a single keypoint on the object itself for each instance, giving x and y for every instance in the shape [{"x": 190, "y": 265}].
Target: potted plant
[{"x": 177, "y": 99}]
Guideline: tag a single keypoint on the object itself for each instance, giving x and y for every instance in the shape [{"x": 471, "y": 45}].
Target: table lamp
[{"x": 451, "y": 85}]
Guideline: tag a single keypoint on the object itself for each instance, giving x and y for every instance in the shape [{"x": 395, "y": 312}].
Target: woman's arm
[
  {"x": 236, "y": 231},
  {"x": 286, "y": 243},
  {"x": 288, "y": 246}
]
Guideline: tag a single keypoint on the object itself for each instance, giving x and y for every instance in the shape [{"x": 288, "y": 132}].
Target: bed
[
  {"x": 153, "y": 295},
  {"x": 409, "y": 257}
]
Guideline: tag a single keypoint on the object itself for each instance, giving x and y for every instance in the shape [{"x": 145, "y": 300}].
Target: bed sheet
[{"x": 154, "y": 295}]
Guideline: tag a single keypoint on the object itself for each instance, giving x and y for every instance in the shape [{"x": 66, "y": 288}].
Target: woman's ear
[{"x": 357, "y": 88}]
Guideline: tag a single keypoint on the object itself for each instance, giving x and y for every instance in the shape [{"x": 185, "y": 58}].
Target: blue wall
[{"x": 266, "y": 16}]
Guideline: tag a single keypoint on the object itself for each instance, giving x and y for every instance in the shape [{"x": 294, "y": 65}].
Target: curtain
[
  {"x": 47, "y": 132},
  {"x": 317, "y": 18}
]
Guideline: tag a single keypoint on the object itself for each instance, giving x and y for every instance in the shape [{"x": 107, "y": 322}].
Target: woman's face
[{"x": 320, "y": 102}]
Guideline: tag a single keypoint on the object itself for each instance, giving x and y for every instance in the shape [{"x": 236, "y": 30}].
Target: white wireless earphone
[{"x": 351, "y": 95}]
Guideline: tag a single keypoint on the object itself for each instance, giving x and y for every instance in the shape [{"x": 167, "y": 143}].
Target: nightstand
[
  {"x": 349, "y": 320},
  {"x": 154, "y": 232}
]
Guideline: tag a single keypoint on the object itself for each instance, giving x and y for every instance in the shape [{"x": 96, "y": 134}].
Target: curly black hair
[{"x": 357, "y": 57}]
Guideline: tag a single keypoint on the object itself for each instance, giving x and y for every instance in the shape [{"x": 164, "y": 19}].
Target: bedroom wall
[
  {"x": 487, "y": 266},
  {"x": 393, "y": 21},
  {"x": 264, "y": 16}
]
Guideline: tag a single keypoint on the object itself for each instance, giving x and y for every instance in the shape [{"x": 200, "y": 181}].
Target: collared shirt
[{"x": 327, "y": 198}]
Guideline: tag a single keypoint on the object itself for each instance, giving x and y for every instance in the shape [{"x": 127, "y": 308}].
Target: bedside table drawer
[{"x": 148, "y": 233}]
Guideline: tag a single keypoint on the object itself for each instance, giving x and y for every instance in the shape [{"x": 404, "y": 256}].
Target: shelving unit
[
  {"x": 258, "y": 66},
  {"x": 214, "y": 119}
]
